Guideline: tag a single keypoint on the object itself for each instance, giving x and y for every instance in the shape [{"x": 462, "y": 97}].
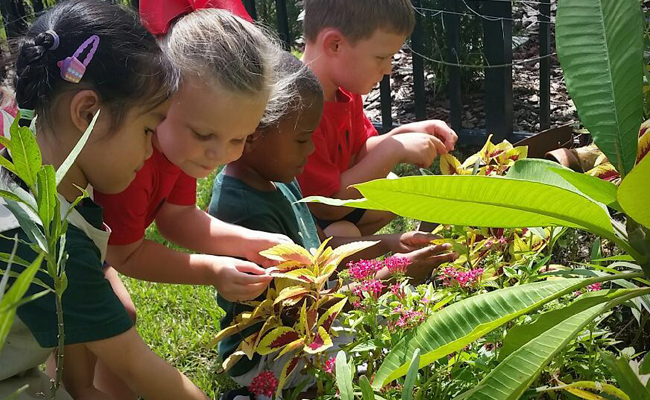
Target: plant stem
[{"x": 60, "y": 355}]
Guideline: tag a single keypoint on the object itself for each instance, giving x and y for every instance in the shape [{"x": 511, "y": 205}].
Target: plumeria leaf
[
  {"x": 321, "y": 342},
  {"x": 288, "y": 252},
  {"x": 328, "y": 318},
  {"x": 277, "y": 339}
]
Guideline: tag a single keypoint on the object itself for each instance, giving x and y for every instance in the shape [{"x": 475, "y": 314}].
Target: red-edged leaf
[
  {"x": 328, "y": 318},
  {"x": 321, "y": 342},
  {"x": 312, "y": 315},
  {"x": 300, "y": 275},
  {"x": 233, "y": 330},
  {"x": 295, "y": 345},
  {"x": 277, "y": 339},
  {"x": 294, "y": 293},
  {"x": 288, "y": 369},
  {"x": 644, "y": 141},
  {"x": 449, "y": 165}
]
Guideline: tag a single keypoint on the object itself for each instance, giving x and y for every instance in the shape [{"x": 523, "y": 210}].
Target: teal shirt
[
  {"x": 91, "y": 310},
  {"x": 274, "y": 211}
]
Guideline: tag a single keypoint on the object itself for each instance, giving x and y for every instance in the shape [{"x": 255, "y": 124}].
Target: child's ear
[
  {"x": 250, "y": 141},
  {"x": 83, "y": 107},
  {"x": 332, "y": 39}
]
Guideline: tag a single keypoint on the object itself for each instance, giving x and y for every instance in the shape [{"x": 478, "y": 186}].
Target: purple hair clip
[{"x": 72, "y": 70}]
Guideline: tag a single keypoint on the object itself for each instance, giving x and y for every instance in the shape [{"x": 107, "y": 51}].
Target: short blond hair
[
  {"x": 237, "y": 55},
  {"x": 358, "y": 19}
]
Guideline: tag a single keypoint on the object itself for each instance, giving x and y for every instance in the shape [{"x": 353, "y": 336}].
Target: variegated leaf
[
  {"x": 232, "y": 360},
  {"x": 295, "y": 345},
  {"x": 277, "y": 339},
  {"x": 248, "y": 345},
  {"x": 288, "y": 369},
  {"x": 295, "y": 293},
  {"x": 233, "y": 329},
  {"x": 264, "y": 309},
  {"x": 347, "y": 250},
  {"x": 449, "y": 165},
  {"x": 328, "y": 318},
  {"x": 300, "y": 275},
  {"x": 321, "y": 342},
  {"x": 288, "y": 252}
]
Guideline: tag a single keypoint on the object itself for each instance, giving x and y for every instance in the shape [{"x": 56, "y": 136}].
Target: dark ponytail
[{"x": 128, "y": 67}]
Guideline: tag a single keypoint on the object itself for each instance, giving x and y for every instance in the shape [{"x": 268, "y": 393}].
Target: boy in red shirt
[{"x": 349, "y": 46}]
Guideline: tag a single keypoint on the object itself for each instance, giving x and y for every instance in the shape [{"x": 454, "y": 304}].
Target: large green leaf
[
  {"x": 46, "y": 195},
  {"x": 485, "y": 201},
  {"x": 517, "y": 372},
  {"x": 596, "y": 188},
  {"x": 344, "y": 377},
  {"x": 625, "y": 377},
  {"x": 600, "y": 47},
  {"x": 634, "y": 193},
  {"x": 461, "y": 323}
]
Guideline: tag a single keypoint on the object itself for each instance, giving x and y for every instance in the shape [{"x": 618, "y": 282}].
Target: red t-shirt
[
  {"x": 343, "y": 130},
  {"x": 129, "y": 213}
]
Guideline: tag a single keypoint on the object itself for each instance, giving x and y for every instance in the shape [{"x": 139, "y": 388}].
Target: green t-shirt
[
  {"x": 274, "y": 211},
  {"x": 91, "y": 310}
]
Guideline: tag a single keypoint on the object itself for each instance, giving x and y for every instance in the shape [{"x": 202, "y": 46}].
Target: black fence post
[
  {"x": 38, "y": 6},
  {"x": 250, "y": 7},
  {"x": 544, "y": 18},
  {"x": 497, "y": 33},
  {"x": 452, "y": 23},
  {"x": 283, "y": 23},
  {"x": 418, "y": 65},
  {"x": 13, "y": 15},
  {"x": 386, "y": 105}
]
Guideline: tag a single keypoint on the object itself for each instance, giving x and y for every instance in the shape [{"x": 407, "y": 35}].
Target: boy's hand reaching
[
  {"x": 425, "y": 260},
  {"x": 433, "y": 127},
  {"x": 238, "y": 280},
  {"x": 419, "y": 149}
]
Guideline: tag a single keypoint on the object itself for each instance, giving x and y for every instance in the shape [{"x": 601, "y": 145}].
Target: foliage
[{"x": 43, "y": 219}]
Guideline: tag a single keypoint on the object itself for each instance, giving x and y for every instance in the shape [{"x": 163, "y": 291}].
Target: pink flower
[
  {"x": 264, "y": 384},
  {"x": 452, "y": 277},
  {"x": 409, "y": 319},
  {"x": 373, "y": 287},
  {"x": 396, "y": 289},
  {"x": 363, "y": 269},
  {"x": 330, "y": 365},
  {"x": 397, "y": 265},
  {"x": 594, "y": 287}
]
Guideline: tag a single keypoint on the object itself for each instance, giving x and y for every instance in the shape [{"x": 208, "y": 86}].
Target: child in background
[
  {"x": 259, "y": 191},
  {"x": 128, "y": 78},
  {"x": 227, "y": 76},
  {"x": 349, "y": 46}
]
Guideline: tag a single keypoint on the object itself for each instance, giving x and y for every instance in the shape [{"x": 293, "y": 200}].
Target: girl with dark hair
[{"x": 79, "y": 57}]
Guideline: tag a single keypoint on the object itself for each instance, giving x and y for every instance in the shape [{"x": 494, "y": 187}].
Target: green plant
[
  {"x": 534, "y": 194},
  {"x": 41, "y": 216}
]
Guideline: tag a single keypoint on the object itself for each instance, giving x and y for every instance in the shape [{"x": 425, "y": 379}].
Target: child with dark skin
[{"x": 259, "y": 191}]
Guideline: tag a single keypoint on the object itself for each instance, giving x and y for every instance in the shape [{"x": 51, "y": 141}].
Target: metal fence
[{"x": 496, "y": 16}]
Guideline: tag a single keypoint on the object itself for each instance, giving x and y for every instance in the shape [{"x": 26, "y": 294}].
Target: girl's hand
[
  {"x": 409, "y": 241},
  {"x": 259, "y": 241},
  {"x": 238, "y": 280}
]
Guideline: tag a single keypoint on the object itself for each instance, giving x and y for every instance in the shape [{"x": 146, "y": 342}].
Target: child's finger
[
  {"x": 250, "y": 268},
  {"x": 440, "y": 147}
]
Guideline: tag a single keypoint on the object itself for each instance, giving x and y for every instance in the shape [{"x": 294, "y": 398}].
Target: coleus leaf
[
  {"x": 277, "y": 339},
  {"x": 288, "y": 369},
  {"x": 232, "y": 360},
  {"x": 294, "y": 293},
  {"x": 295, "y": 345},
  {"x": 248, "y": 345},
  {"x": 301, "y": 275},
  {"x": 347, "y": 250},
  {"x": 234, "y": 329},
  {"x": 449, "y": 165},
  {"x": 328, "y": 318},
  {"x": 644, "y": 141},
  {"x": 288, "y": 252},
  {"x": 321, "y": 342}
]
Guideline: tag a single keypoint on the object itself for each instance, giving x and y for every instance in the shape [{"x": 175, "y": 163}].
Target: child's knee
[{"x": 342, "y": 228}]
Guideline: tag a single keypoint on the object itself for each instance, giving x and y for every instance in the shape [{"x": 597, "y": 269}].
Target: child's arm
[
  {"x": 144, "y": 372},
  {"x": 147, "y": 260},
  {"x": 376, "y": 159},
  {"x": 194, "y": 229}
]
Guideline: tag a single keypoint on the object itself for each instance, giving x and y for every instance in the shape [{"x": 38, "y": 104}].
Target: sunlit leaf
[{"x": 276, "y": 339}]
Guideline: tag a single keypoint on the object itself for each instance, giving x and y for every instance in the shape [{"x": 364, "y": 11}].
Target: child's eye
[{"x": 202, "y": 137}]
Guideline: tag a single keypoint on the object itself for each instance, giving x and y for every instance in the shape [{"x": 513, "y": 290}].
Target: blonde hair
[
  {"x": 234, "y": 54},
  {"x": 358, "y": 19}
]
